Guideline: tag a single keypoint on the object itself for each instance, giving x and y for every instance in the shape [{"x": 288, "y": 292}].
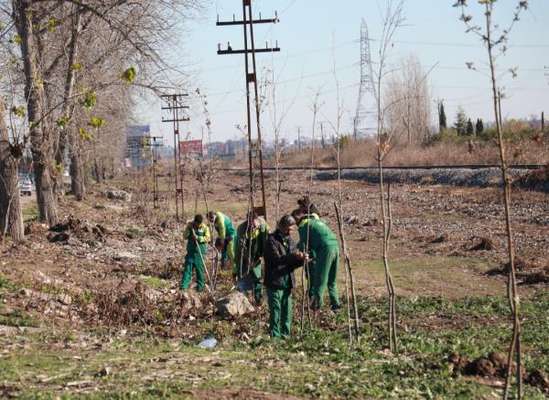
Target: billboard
[{"x": 188, "y": 147}]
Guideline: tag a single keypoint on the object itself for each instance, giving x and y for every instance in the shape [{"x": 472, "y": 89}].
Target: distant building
[
  {"x": 217, "y": 149},
  {"x": 137, "y": 153},
  {"x": 235, "y": 147},
  {"x": 225, "y": 150}
]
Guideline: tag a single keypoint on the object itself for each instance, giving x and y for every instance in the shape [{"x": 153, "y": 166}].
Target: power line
[
  {"x": 456, "y": 44},
  {"x": 356, "y": 65}
]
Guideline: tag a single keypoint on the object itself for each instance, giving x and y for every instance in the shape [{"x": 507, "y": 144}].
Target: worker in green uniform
[
  {"x": 281, "y": 259},
  {"x": 226, "y": 235},
  {"x": 251, "y": 236},
  {"x": 323, "y": 249},
  {"x": 198, "y": 236}
]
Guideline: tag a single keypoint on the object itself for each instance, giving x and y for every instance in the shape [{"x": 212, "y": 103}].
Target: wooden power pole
[
  {"x": 174, "y": 104},
  {"x": 249, "y": 51}
]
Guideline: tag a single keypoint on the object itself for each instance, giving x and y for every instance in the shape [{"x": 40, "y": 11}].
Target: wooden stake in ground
[
  {"x": 387, "y": 219},
  {"x": 210, "y": 287},
  {"x": 348, "y": 271},
  {"x": 305, "y": 272}
]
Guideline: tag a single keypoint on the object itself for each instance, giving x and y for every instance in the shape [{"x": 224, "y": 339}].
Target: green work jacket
[
  {"x": 316, "y": 233},
  {"x": 202, "y": 239},
  {"x": 224, "y": 226},
  {"x": 246, "y": 241}
]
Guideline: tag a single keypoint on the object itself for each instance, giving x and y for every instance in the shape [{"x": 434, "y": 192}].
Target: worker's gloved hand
[{"x": 302, "y": 256}]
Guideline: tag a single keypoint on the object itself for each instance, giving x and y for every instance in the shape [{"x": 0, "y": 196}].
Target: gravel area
[{"x": 489, "y": 177}]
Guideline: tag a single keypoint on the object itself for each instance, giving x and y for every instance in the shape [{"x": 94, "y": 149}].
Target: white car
[{"x": 25, "y": 187}]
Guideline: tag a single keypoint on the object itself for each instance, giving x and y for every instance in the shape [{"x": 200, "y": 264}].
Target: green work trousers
[
  {"x": 228, "y": 253},
  {"x": 324, "y": 275},
  {"x": 280, "y": 312},
  {"x": 255, "y": 273},
  {"x": 193, "y": 262}
]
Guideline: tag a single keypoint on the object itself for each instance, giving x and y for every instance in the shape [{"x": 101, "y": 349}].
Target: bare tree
[
  {"x": 408, "y": 101},
  {"x": 277, "y": 118},
  {"x": 393, "y": 18},
  {"x": 495, "y": 38},
  {"x": 137, "y": 29},
  {"x": 41, "y": 136}
]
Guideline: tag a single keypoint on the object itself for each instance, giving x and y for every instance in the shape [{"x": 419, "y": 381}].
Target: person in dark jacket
[{"x": 281, "y": 259}]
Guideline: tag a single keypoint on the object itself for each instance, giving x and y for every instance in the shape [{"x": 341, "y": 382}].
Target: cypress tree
[
  {"x": 442, "y": 117},
  {"x": 479, "y": 127},
  {"x": 470, "y": 128},
  {"x": 461, "y": 122}
]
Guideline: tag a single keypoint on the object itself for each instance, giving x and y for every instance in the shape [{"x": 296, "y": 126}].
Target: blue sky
[{"x": 312, "y": 34}]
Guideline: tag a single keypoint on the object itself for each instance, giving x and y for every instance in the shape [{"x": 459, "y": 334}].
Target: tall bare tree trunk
[
  {"x": 512, "y": 292},
  {"x": 11, "y": 219},
  {"x": 40, "y": 134},
  {"x": 78, "y": 186},
  {"x": 70, "y": 79}
]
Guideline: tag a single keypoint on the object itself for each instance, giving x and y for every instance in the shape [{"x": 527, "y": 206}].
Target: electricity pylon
[{"x": 361, "y": 113}]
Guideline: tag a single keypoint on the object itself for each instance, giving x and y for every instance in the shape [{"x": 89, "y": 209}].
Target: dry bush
[{"x": 139, "y": 305}]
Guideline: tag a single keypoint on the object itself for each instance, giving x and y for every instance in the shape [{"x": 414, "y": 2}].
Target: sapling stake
[
  {"x": 393, "y": 19},
  {"x": 205, "y": 267},
  {"x": 305, "y": 272},
  {"x": 348, "y": 271}
]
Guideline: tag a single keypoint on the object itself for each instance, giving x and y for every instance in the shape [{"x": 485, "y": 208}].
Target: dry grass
[{"x": 441, "y": 153}]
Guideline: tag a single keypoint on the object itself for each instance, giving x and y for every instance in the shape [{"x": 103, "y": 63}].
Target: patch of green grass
[
  {"x": 135, "y": 232},
  {"x": 85, "y": 297},
  {"x": 6, "y": 285},
  {"x": 322, "y": 365},
  {"x": 30, "y": 212},
  {"x": 154, "y": 282},
  {"x": 17, "y": 318}
]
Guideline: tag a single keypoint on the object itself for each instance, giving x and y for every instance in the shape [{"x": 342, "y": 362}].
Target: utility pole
[
  {"x": 174, "y": 104},
  {"x": 249, "y": 53},
  {"x": 153, "y": 146},
  {"x": 299, "y": 138},
  {"x": 542, "y": 122}
]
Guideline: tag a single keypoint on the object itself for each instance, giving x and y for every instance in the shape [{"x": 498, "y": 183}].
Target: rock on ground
[
  {"x": 114, "y": 194},
  {"x": 234, "y": 305},
  {"x": 190, "y": 301}
]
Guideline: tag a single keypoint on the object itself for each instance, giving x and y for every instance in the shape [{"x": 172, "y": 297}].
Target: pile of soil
[
  {"x": 528, "y": 272},
  {"x": 83, "y": 230},
  {"x": 494, "y": 366}
]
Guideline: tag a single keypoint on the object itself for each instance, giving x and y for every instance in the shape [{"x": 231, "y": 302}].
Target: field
[{"x": 98, "y": 313}]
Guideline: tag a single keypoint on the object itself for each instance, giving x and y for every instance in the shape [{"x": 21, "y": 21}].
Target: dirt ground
[{"x": 114, "y": 256}]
